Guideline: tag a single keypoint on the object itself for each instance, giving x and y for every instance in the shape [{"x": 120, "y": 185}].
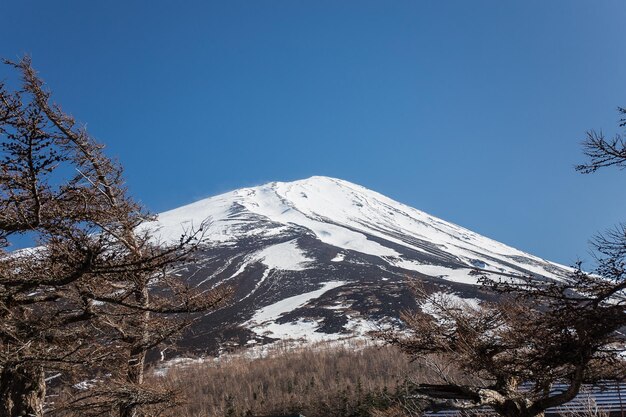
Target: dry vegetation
[{"x": 317, "y": 381}]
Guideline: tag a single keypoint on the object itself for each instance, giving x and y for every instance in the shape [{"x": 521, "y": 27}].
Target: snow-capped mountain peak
[
  {"x": 329, "y": 256},
  {"x": 350, "y": 217}
]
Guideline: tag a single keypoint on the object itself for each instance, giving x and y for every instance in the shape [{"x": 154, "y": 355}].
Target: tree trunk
[
  {"x": 22, "y": 391},
  {"x": 136, "y": 365},
  {"x": 137, "y": 357},
  {"x": 135, "y": 373},
  {"x": 517, "y": 408}
]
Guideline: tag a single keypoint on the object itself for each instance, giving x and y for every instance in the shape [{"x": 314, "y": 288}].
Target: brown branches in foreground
[
  {"x": 512, "y": 352},
  {"x": 602, "y": 151},
  {"x": 98, "y": 290},
  {"x": 542, "y": 332}
]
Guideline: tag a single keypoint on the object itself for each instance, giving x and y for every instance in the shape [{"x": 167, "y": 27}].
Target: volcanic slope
[{"x": 323, "y": 258}]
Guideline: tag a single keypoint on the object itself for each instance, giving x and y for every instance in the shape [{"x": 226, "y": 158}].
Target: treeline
[{"x": 319, "y": 381}]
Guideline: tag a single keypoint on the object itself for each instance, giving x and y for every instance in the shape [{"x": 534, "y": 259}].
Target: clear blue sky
[{"x": 470, "y": 110}]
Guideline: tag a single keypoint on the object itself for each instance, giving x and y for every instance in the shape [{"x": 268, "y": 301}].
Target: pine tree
[{"x": 97, "y": 292}]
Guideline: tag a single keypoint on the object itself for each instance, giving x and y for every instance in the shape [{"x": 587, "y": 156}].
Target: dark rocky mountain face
[{"x": 325, "y": 259}]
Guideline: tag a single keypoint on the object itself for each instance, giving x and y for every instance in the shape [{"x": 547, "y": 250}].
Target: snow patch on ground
[
  {"x": 299, "y": 330},
  {"x": 275, "y": 310},
  {"x": 266, "y": 274},
  {"x": 262, "y": 323},
  {"x": 360, "y": 327},
  {"x": 444, "y": 298},
  {"x": 339, "y": 257},
  {"x": 461, "y": 275},
  {"x": 275, "y": 349},
  {"x": 242, "y": 268},
  {"x": 181, "y": 362},
  {"x": 286, "y": 256}
]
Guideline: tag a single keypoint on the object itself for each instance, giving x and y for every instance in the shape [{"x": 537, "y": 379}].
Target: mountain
[{"x": 323, "y": 258}]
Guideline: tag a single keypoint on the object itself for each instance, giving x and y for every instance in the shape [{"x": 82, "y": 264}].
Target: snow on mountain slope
[
  {"x": 287, "y": 241},
  {"x": 343, "y": 214},
  {"x": 264, "y": 320}
]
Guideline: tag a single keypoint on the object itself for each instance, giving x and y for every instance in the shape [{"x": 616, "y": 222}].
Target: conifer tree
[
  {"x": 98, "y": 290},
  {"x": 512, "y": 353}
]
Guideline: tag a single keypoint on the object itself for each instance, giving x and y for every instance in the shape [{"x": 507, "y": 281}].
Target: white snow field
[{"x": 263, "y": 322}]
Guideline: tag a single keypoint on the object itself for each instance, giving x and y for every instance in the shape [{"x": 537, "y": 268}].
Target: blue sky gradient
[{"x": 471, "y": 111}]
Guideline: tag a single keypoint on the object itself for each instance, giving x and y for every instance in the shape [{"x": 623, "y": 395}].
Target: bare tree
[
  {"x": 540, "y": 333},
  {"x": 99, "y": 290},
  {"x": 602, "y": 151},
  {"x": 508, "y": 355}
]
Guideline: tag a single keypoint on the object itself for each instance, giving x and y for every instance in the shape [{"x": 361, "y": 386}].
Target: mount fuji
[{"x": 326, "y": 259}]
